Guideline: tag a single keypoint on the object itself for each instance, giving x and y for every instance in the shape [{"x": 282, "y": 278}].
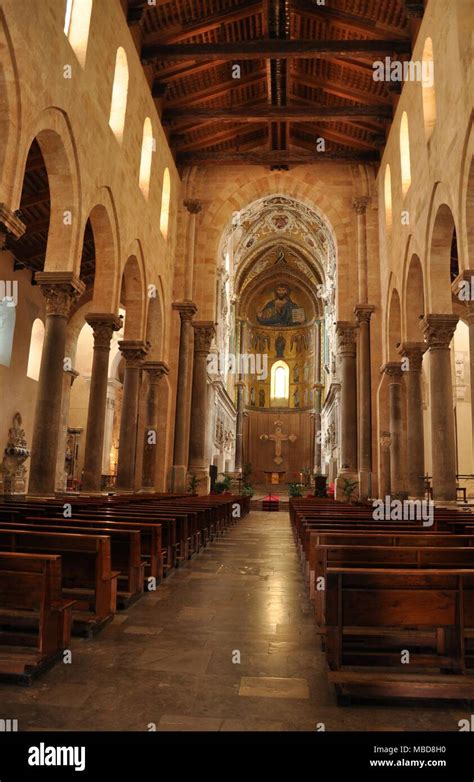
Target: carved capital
[
  {"x": 393, "y": 369},
  {"x": 438, "y": 330},
  {"x": 203, "y": 333},
  {"x": 413, "y": 351},
  {"x": 347, "y": 337},
  {"x": 363, "y": 312},
  {"x": 186, "y": 309},
  {"x": 60, "y": 289},
  {"x": 155, "y": 371},
  {"x": 385, "y": 441},
  {"x": 103, "y": 326},
  {"x": 133, "y": 351},
  {"x": 192, "y": 205},
  {"x": 359, "y": 204}
]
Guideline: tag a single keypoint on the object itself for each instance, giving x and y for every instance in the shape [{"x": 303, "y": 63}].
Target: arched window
[
  {"x": 165, "y": 203},
  {"x": 118, "y": 107},
  {"x": 76, "y": 26},
  {"x": 388, "y": 198},
  {"x": 36, "y": 349},
  {"x": 7, "y": 331},
  {"x": 280, "y": 381},
  {"x": 405, "y": 153},
  {"x": 146, "y": 157},
  {"x": 428, "y": 88}
]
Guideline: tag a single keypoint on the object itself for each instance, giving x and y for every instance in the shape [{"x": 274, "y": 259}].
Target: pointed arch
[
  {"x": 118, "y": 105},
  {"x": 77, "y": 21},
  {"x": 36, "y": 349},
  {"x": 280, "y": 381},
  {"x": 146, "y": 158},
  {"x": 165, "y": 203},
  {"x": 405, "y": 162},
  {"x": 428, "y": 88}
]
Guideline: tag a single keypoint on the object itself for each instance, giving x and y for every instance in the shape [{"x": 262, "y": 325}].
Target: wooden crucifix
[{"x": 278, "y": 438}]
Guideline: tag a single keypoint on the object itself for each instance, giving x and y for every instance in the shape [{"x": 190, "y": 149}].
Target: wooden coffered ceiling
[{"x": 305, "y": 73}]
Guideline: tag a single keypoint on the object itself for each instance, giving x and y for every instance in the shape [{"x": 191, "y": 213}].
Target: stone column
[
  {"x": 347, "y": 335},
  {"x": 412, "y": 353},
  {"x": 194, "y": 207},
  {"x": 393, "y": 370},
  {"x": 463, "y": 290},
  {"x": 318, "y": 390},
  {"x": 134, "y": 352},
  {"x": 155, "y": 371},
  {"x": 103, "y": 326},
  {"x": 363, "y": 313},
  {"x": 60, "y": 290},
  {"x": 203, "y": 334},
  {"x": 187, "y": 310},
  {"x": 240, "y": 385},
  {"x": 438, "y": 332},
  {"x": 385, "y": 443},
  {"x": 61, "y": 477},
  {"x": 360, "y": 206}
]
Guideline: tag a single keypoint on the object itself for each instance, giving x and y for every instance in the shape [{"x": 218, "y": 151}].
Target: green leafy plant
[
  {"x": 223, "y": 485},
  {"x": 193, "y": 483},
  {"x": 349, "y": 488},
  {"x": 295, "y": 489},
  {"x": 248, "y": 490}
]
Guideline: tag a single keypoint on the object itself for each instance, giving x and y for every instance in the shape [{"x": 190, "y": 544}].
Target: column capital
[
  {"x": 393, "y": 369},
  {"x": 186, "y": 309},
  {"x": 60, "y": 289},
  {"x": 413, "y": 351},
  {"x": 363, "y": 312},
  {"x": 204, "y": 331},
  {"x": 10, "y": 224},
  {"x": 347, "y": 335},
  {"x": 438, "y": 330},
  {"x": 192, "y": 205},
  {"x": 359, "y": 204},
  {"x": 385, "y": 441},
  {"x": 155, "y": 370},
  {"x": 103, "y": 325},
  {"x": 133, "y": 351}
]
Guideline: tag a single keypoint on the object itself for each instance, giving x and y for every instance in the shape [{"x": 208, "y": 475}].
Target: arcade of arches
[{"x": 303, "y": 318}]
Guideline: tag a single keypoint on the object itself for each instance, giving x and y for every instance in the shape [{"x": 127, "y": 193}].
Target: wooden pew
[
  {"x": 377, "y": 600},
  {"x": 87, "y": 576},
  {"x": 35, "y": 621}
]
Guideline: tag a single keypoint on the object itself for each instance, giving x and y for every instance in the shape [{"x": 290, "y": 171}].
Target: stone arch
[
  {"x": 105, "y": 229},
  {"x": 10, "y": 112},
  {"x": 155, "y": 331},
  {"x": 441, "y": 228},
  {"x": 133, "y": 293},
  {"x": 466, "y": 202},
  {"x": 413, "y": 299},
  {"x": 52, "y": 131}
]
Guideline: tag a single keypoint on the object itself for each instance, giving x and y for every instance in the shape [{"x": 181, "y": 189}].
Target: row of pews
[
  {"x": 68, "y": 564},
  {"x": 393, "y": 600}
]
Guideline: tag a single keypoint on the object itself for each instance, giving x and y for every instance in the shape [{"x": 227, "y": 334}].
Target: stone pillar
[
  {"x": 155, "y": 371},
  {"x": 347, "y": 335},
  {"x": 61, "y": 477},
  {"x": 194, "y": 207},
  {"x": 60, "y": 290},
  {"x": 385, "y": 443},
  {"x": 463, "y": 290},
  {"x": 103, "y": 326},
  {"x": 363, "y": 313},
  {"x": 134, "y": 352},
  {"x": 203, "y": 334},
  {"x": 240, "y": 385},
  {"x": 187, "y": 310},
  {"x": 393, "y": 370},
  {"x": 412, "y": 353},
  {"x": 438, "y": 332},
  {"x": 360, "y": 206},
  {"x": 317, "y": 464}
]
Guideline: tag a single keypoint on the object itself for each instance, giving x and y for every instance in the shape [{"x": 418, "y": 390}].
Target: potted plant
[
  {"x": 223, "y": 486},
  {"x": 193, "y": 483},
  {"x": 349, "y": 488},
  {"x": 295, "y": 489},
  {"x": 320, "y": 485}
]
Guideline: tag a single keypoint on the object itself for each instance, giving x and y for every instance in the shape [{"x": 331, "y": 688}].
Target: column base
[
  {"x": 179, "y": 481},
  {"x": 339, "y": 494},
  {"x": 202, "y": 474}
]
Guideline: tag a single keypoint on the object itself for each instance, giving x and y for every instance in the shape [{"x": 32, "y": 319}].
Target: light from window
[
  {"x": 7, "y": 332},
  {"x": 146, "y": 157},
  {"x": 388, "y": 198},
  {"x": 280, "y": 381},
  {"x": 428, "y": 88},
  {"x": 36, "y": 349},
  {"x": 76, "y": 26},
  {"x": 118, "y": 106},
  {"x": 165, "y": 203},
  {"x": 405, "y": 153}
]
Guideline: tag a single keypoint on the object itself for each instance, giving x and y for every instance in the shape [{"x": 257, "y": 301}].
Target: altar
[{"x": 274, "y": 477}]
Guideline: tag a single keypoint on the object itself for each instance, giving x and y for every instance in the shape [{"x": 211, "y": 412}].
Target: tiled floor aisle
[{"x": 171, "y": 659}]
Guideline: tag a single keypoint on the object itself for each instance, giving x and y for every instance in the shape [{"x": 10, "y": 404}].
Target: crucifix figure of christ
[{"x": 278, "y": 438}]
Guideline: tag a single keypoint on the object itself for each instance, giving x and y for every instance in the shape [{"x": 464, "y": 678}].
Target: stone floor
[{"x": 227, "y": 643}]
